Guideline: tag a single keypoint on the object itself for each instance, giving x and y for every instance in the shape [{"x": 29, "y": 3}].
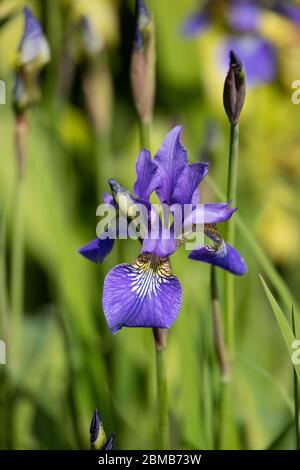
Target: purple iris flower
[
  {"x": 242, "y": 18},
  {"x": 146, "y": 293}
]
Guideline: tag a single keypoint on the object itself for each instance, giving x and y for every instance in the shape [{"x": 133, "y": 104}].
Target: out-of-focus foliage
[{"x": 70, "y": 364}]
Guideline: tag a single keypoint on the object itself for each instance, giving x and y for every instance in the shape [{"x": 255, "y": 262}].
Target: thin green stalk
[
  {"x": 220, "y": 346},
  {"x": 160, "y": 337},
  {"x": 145, "y": 135},
  {"x": 17, "y": 262},
  {"x": 230, "y": 236},
  {"x": 296, "y": 392},
  {"x": 17, "y": 269},
  {"x": 104, "y": 164},
  {"x": 3, "y": 281}
]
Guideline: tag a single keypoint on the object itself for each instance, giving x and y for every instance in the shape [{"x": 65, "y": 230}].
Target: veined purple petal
[
  {"x": 225, "y": 257},
  {"x": 144, "y": 294},
  {"x": 97, "y": 250},
  {"x": 257, "y": 54},
  {"x": 196, "y": 24},
  {"x": 171, "y": 159},
  {"x": 243, "y": 16},
  {"x": 147, "y": 175},
  {"x": 33, "y": 43},
  {"x": 186, "y": 189}
]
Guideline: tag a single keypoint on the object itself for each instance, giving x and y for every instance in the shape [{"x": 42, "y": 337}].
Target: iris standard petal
[
  {"x": 171, "y": 159},
  {"x": 195, "y": 24},
  {"x": 225, "y": 257},
  {"x": 97, "y": 250},
  {"x": 144, "y": 294},
  {"x": 257, "y": 54},
  {"x": 186, "y": 189},
  {"x": 147, "y": 175},
  {"x": 161, "y": 247},
  {"x": 243, "y": 16},
  {"x": 160, "y": 239}
]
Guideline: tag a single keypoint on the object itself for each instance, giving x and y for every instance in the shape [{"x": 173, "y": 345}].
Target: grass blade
[
  {"x": 283, "y": 324},
  {"x": 296, "y": 392}
]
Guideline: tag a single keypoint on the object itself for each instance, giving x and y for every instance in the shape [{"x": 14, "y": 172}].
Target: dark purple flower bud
[
  {"x": 109, "y": 445},
  {"x": 97, "y": 433},
  {"x": 234, "y": 89},
  {"x": 143, "y": 63}
]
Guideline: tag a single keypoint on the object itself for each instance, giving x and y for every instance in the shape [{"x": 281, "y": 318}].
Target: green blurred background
[{"x": 69, "y": 362}]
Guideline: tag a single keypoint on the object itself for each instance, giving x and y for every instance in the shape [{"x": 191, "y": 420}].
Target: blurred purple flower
[
  {"x": 145, "y": 293},
  {"x": 34, "y": 54},
  {"x": 33, "y": 46},
  {"x": 242, "y": 18},
  {"x": 258, "y": 55}
]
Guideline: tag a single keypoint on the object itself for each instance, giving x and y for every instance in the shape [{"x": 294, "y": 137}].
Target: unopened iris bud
[
  {"x": 234, "y": 89},
  {"x": 109, "y": 444},
  {"x": 143, "y": 62},
  {"x": 34, "y": 51},
  {"x": 124, "y": 200},
  {"x": 34, "y": 54},
  {"x": 97, "y": 433}
]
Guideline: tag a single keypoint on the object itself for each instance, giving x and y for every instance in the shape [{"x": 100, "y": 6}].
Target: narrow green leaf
[
  {"x": 296, "y": 393},
  {"x": 283, "y": 324}
]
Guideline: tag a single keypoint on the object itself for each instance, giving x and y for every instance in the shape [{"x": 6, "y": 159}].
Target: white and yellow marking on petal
[{"x": 148, "y": 273}]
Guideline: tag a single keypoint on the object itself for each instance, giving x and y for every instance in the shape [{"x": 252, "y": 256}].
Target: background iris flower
[
  {"x": 34, "y": 48},
  {"x": 34, "y": 54},
  {"x": 243, "y": 18},
  {"x": 145, "y": 293}
]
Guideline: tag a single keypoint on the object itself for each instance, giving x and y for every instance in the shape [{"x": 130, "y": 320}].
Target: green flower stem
[
  {"x": 104, "y": 164},
  {"x": 145, "y": 135},
  {"x": 220, "y": 347},
  {"x": 3, "y": 281},
  {"x": 230, "y": 236},
  {"x": 160, "y": 340},
  {"x": 17, "y": 260},
  {"x": 17, "y": 269}
]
